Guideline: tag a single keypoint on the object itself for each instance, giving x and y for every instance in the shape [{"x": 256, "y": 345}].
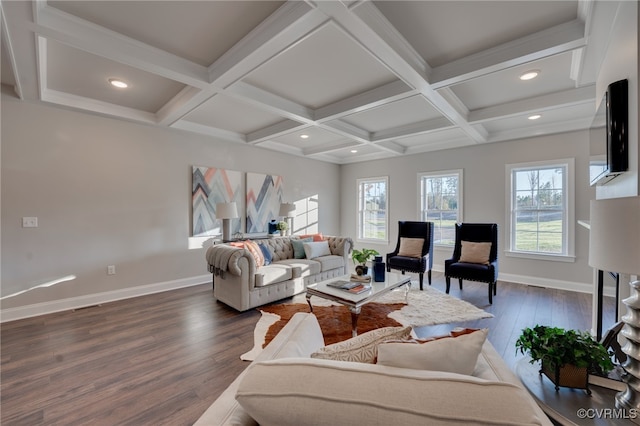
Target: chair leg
[
  {"x": 460, "y": 279},
  {"x": 490, "y": 294},
  {"x": 421, "y": 279},
  {"x": 448, "y": 280},
  {"x": 495, "y": 287},
  {"x": 429, "y": 276},
  {"x": 402, "y": 272}
]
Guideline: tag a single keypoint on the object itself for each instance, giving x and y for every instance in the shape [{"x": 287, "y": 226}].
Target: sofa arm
[
  {"x": 340, "y": 246},
  {"x": 225, "y": 258}
]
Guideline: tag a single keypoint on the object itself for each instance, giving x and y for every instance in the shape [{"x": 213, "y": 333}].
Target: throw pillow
[
  {"x": 362, "y": 348},
  {"x": 313, "y": 250},
  {"x": 266, "y": 253},
  {"x": 255, "y": 251},
  {"x": 454, "y": 354},
  {"x": 411, "y": 247},
  {"x": 475, "y": 252},
  {"x": 298, "y": 247}
]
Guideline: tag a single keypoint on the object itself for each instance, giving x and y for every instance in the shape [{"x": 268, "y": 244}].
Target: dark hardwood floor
[{"x": 164, "y": 358}]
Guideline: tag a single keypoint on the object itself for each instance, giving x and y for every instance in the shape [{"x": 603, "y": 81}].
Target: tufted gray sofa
[{"x": 241, "y": 284}]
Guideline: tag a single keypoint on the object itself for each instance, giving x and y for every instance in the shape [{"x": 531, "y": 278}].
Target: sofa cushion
[
  {"x": 301, "y": 267},
  {"x": 266, "y": 253},
  {"x": 273, "y": 274},
  {"x": 296, "y": 391},
  {"x": 317, "y": 249},
  {"x": 315, "y": 237},
  {"x": 253, "y": 248},
  {"x": 362, "y": 348},
  {"x": 328, "y": 263},
  {"x": 452, "y": 354},
  {"x": 298, "y": 247}
]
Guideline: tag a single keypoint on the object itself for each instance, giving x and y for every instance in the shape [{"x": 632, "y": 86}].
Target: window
[
  {"x": 372, "y": 209},
  {"x": 441, "y": 203},
  {"x": 541, "y": 208}
]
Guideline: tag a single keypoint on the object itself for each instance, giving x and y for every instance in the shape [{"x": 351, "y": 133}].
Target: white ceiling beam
[
  {"x": 348, "y": 130},
  {"x": 585, "y": 14},
  {"x": 92, "y": 38},
  {"x": 270, "y": 102},
  {"x": 274, "y": 131},
  {"x": 552, "y": 41},
  {"x": 363, "y": 101},
  {"x": 542, "y": 129},
  {"x": 565, "y": 98},
  {"x": 411, "y": 129},
  {"x": 368, "y": 26},
  {"x": 93, "y": 105}
]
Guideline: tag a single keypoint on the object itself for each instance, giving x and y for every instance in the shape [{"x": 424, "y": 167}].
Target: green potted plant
[
  {"x": 282, "y": 226},
  {"x": 360, "y": 259},
  {"x": 567, "y": 356}
]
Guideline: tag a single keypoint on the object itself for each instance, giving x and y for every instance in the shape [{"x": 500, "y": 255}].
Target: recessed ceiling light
[
  {"x": 353, "y": 151},
  {"x": 304, "y": 136},
  {"x": 118, "y": 83},
  {"x": 534, "y": 116},
  {"x": 529, "y": 75}
]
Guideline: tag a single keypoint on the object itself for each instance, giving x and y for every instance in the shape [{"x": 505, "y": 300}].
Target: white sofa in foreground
[
  {"x": 242, "y": 282},
  {"x": 284, "y": 386}
]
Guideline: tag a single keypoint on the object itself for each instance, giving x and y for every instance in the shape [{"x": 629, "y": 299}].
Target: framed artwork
[
  {"x": 264, "y": 195},
  {"x": 211, "y": 186}
]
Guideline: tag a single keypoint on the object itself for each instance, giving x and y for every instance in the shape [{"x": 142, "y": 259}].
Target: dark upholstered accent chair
[
  {"x": 421, "y": 264},
  {"x": 486, "y": 273}
]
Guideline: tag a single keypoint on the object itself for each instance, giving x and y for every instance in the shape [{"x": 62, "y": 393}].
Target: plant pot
[
  {"x": 567, "y": 376},
  {"x": 362, "y": 269}
]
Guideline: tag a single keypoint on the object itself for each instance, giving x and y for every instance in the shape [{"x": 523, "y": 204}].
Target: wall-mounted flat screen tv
[{"x": 608, "y": 135}]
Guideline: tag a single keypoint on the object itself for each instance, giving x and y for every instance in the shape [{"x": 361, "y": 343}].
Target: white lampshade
[
  {"x": 226, "y": 210},
  {"x": 286, "y": 209},
  {"x": 614, "y": 237}
]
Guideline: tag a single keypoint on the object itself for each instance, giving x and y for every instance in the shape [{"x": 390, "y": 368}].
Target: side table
[{"x": 572, "y": 407}]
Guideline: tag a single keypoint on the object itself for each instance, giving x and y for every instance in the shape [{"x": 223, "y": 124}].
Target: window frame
[
  {"x": 568, "y": 237},
  {"x": 359, "y": 201},
  {"x": 459, "y": 173}
]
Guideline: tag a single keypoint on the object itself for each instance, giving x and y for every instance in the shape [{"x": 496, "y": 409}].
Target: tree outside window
[
  {"x": 372, "y": 209},
  {"x": 441, "y": 203}
]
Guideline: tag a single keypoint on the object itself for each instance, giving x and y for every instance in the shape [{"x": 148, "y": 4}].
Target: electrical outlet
[
  {"x": 29, "y": 222},
  {"x": 111, "y": 270}
]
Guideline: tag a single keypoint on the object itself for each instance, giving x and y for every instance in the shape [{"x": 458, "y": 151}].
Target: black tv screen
[{"x": 608, "y": 135}]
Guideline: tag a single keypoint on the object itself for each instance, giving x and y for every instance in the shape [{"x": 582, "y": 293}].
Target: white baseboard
[
  {"x": 549, "y": 283},
  {"x": 43, "y": 308}
]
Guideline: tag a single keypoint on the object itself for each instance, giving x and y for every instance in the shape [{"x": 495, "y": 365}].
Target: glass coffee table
[{"x": 356, "y": 301}]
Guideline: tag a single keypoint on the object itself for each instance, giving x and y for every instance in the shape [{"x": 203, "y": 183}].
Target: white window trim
[
  {"x": 386, "y": 216},
  {"x": 443, "y": 173},
  {"x": 569, "y": 256}
]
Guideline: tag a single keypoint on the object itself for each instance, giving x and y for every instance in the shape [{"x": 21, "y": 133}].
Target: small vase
[
  {"x": 282, "y": 231},
  {"x": 378, "y": 269}
]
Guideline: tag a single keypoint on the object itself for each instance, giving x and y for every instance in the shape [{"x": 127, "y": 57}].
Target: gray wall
[
  {"x": 110, "y": 192},
  {"x": 484, "y": 198}
]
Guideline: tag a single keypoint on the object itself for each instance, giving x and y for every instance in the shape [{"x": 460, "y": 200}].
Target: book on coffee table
[
  {"x": 361, "y": 288},
  {"x": 343, "y": 284}
]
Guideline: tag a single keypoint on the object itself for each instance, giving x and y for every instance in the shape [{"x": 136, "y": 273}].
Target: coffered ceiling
[{"x": 338, "y": 81}]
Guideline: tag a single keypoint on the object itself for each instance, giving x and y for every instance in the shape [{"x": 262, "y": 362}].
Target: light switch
[{"x": 29, "y": 222}]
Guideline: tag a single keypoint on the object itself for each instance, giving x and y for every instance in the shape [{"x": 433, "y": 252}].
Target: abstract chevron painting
[
  {"x": 211, "y": 186},
  {"x": 264, "y": 195}
]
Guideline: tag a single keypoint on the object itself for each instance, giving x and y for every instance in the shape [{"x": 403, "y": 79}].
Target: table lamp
[
  {"x": 286, "y": 211},
  {"x": 614, "y": 246},
  {"x": 226, "y": 212}
]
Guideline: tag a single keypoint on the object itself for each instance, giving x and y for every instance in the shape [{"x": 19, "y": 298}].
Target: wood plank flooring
[{"x": 163, "y": 359}]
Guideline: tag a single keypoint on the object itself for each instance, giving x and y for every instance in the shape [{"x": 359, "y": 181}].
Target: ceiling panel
[
  {"x": 224, "y": 112},
  {"x": 506, "y": 86},
  {"x": 317, "y": 137},
  {"x": 90, "y": 74},
  {"x": 324, "y": 68},
  {"x": 555, "y": 116},
  {"x": 443, "y": 31},
  {"x": 200, "y": 31},
  {"x": 411, "y": 110},
  {"x": 438, "y": 136}
]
